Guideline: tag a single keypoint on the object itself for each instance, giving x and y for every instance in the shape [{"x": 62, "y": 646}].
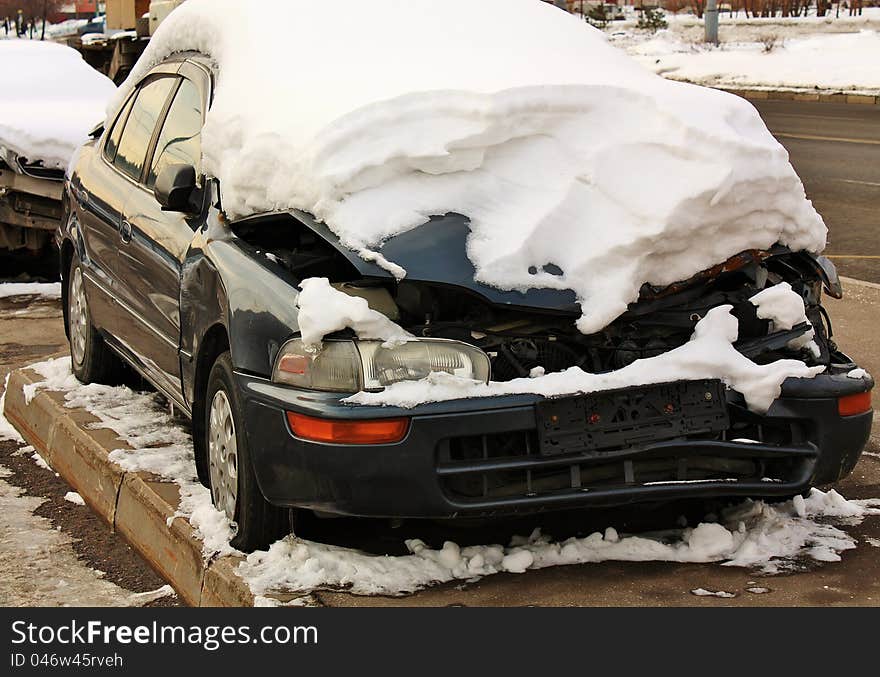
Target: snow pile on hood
[
  {"x": 558, "y": 147},
  {"x": 769, "y": 538},
  {"x": 324, "y": 310},
  {"x": 51, "y": 100},
  {"x": 709, "y": 354}
]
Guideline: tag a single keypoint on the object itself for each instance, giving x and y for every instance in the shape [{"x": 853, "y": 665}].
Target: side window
[
  {"x": 180, "y": 140},
  {"x": 141, "y": 123},
  {"x": 116, "y": 132}
]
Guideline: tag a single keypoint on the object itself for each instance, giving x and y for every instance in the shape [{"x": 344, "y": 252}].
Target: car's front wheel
[{"x": 233, "y": 484}]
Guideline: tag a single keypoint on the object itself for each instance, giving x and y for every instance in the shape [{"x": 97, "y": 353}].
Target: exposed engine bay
[{"x": 520, "y": 340}]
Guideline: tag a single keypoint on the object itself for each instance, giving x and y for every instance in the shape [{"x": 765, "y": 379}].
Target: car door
[
  {"x": 100, "y": 195},
  {"x": 155, "y": 242},
  {"x": 123, "y": 157}
]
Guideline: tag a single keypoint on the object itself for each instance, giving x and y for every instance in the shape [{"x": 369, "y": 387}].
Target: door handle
[{"x": 125, "y": 231}]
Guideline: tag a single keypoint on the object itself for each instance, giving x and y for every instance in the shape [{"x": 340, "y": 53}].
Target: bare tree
[{"x": 30, "y": 9}]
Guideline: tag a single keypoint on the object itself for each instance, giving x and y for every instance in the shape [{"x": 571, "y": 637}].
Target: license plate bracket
[{"x": 630, "y": 417}]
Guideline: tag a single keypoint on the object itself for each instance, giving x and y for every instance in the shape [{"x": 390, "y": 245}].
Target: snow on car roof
[
  {"x": 50, "y": 101},
  {"x": 578, "y": 168}
]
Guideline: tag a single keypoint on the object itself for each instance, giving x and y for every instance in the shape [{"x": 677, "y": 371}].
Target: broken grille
[{"x": 510, "y": 465}]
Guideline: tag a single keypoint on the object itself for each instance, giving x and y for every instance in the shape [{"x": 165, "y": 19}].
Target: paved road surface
[
  {"x": 51, "y": 551},
  {"x": 836, "y": 150}
]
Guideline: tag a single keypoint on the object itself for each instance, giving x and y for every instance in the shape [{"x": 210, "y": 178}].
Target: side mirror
[{"x": 174, "y": 187}]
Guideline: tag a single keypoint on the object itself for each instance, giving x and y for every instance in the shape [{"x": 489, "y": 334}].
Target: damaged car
[
  {"x": 30, "y": 203},
  {"x": 52, "y": 99},
  {"x": 161, "y": 275}
]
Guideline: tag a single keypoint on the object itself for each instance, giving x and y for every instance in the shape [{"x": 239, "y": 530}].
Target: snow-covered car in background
[
  {"x": 475, "y": 281},
  {"x": 51, "y": 100}
]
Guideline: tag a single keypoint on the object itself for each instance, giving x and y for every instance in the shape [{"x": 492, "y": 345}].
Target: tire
[
  {"x": 232, "y": 481},
  {"x": 91, "y": 358}
]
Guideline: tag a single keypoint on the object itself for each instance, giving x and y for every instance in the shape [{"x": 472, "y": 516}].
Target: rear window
[{"x": 116, "y": 132}]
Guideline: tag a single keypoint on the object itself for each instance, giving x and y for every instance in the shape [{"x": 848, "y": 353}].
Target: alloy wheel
[
  {"x": 223, "y": 454},
  {"x": 78, "y": 317}
]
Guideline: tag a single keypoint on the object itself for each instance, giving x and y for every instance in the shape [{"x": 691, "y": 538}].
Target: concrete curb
[
  {"x": 757, "y": 93},
  {"x": 847, "y": 281},
  {"x": 782, "y": 95},
  {"x": 138, "y": 506}
]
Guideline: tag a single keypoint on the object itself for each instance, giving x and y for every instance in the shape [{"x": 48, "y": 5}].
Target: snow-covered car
[
  {"x": 51, "y": 99},
  {"x": 471, "y": 281}
]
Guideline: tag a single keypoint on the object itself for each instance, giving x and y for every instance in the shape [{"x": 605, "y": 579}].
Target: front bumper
[{"x": 480, "y": 457}]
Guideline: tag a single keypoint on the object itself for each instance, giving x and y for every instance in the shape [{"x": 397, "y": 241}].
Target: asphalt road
[
  {"x": 52, "y": 552},
  {"x": 836, "y": 150}
]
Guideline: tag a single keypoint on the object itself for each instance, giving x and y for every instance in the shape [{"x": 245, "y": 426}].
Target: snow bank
[
  {"x": 769, "y": 538},
  {"x": 709, "y": 354},
  {"x": 46, "y": 290},
  {"x": 839, "y": 62},
  {"x": 558, "y": 147},
  {"x": 51, "y": 100}
]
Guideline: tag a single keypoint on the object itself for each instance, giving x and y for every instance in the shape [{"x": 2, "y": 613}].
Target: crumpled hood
[{"x": 436, "y": 252}]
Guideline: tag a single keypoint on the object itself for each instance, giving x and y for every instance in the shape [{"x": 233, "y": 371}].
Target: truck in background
[{"x": 128, "y": 25}]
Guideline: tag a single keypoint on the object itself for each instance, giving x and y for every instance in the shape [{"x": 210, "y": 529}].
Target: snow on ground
[
  {"x": 7, "y": 430},
  {"x": 805, "y": 53},
  {"x": 739, "y": 28},
  {"x": 612, "y": 174},
  {"x": 768, "y": 538},
  {"x": 702, "y": 592},
  {"x": 840, "y": 62},
  {"x": 40, "y": 567},
  {"x": 73, "y": 497},
  {"x": 51, "y": 100},
  {"x": 45, "y": 290},
  {"x": 158, "y": 443}
]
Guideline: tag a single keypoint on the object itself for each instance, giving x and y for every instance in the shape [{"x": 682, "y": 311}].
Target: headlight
[{"x": 352, "y": 366}]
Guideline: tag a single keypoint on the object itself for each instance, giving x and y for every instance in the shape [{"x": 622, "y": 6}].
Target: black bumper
[{"x": 480, "y": 457}]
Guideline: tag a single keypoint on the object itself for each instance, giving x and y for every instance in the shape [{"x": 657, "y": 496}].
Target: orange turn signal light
[
  {"x": 850, "y": 405},
  {"x": 380, "y": 431}
]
